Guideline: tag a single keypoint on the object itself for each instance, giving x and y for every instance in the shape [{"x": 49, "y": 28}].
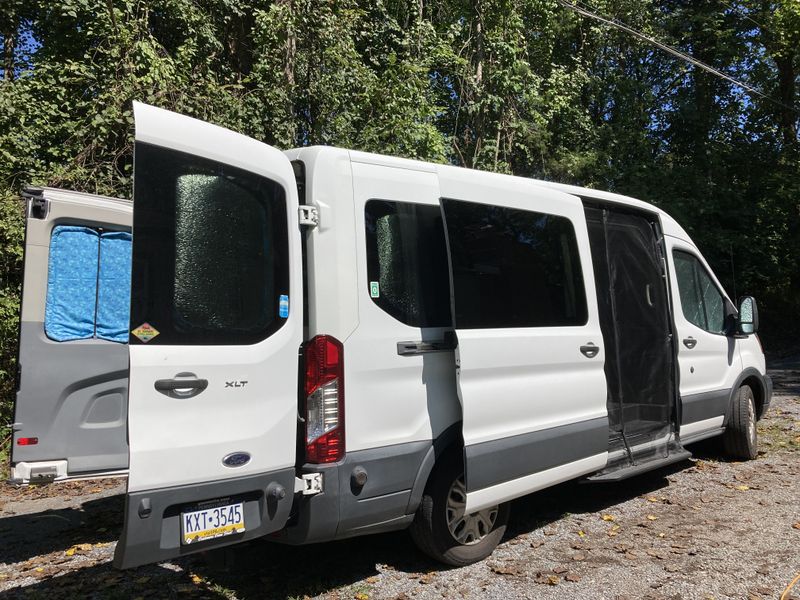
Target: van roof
[{"x": 669, "y": 224}]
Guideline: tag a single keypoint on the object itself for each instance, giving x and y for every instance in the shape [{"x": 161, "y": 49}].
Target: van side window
[
  {"x": 407, "y": 262},
  {"x": 88, "y": 284},
  {"x": 513, "y": 268},
  {"x": 702, "y": 303}
]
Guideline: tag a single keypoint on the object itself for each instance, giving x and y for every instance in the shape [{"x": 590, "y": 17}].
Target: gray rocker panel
[
  {"x": 506, "y": 459},
  {"x": 73, "y": 396}
]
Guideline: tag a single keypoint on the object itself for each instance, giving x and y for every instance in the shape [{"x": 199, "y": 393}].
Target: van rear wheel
[
  {"x": 441, "y": 528},
  {"x": 740, "y": 438}
]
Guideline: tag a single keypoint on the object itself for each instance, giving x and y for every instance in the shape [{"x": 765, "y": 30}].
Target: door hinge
[
  {"x": 311, "y": 484},
  {"x": 37, "y": 203},
  {"x": 309, "y": 215}
]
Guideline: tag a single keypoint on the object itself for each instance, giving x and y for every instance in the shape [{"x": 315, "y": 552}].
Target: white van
[{"x": 324, "y": 343}]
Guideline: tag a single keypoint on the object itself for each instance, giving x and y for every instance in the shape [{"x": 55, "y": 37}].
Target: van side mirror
[{"x": 748, "y": 315}]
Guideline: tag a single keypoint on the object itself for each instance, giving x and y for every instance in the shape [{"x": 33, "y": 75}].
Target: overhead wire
[{"x": 671, "y": 50}]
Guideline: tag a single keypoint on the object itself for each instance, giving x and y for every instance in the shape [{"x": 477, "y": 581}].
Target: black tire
[
  {"x": 430, "y": 530},
  {"x": 740, "y": 439}
]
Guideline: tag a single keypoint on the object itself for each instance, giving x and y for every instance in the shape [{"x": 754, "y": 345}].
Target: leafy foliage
[{"x": 526, "y": 87}]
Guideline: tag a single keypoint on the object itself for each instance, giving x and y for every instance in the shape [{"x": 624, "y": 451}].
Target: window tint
[
  {"x": 513, "y": 268},
  {"x": 407, "y": 262},
  {"x": 88, "y": 284},
  {"x": 211, "y": 251},
  {"x": 702, "y": 303}
]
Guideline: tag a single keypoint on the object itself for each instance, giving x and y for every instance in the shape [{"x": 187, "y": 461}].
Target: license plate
[{"x": 210, "y": 523}]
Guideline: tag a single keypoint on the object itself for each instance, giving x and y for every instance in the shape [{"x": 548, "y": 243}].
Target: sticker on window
[
  {"x": 283, "y": 307},
  {"x": 374, "y": 289},
  {"x": 145, "y": 332}
]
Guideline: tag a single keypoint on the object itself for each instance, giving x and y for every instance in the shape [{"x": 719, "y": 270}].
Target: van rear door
[
  {"x": 530, "y": 350},
  {"x": 71, "y": 402},
  {"x": 216, "y": 327}
]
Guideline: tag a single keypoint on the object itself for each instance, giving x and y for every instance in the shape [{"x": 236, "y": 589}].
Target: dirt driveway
[{"x": 701, "y": 529}]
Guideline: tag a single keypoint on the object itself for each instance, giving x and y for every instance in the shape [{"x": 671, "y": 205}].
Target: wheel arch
[
  {"x": 450, "y": 440},
  {"x": 757, "y": 382}
]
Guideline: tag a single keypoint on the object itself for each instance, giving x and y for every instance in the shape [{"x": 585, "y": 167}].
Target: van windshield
[{"x": 210, "y": 251}]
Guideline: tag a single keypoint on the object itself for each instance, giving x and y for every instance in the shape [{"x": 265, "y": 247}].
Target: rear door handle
[
  {"x": 589, "y": 350},
  {"x": 184, "y": 385},
  {"x": 689, "y": 342}
]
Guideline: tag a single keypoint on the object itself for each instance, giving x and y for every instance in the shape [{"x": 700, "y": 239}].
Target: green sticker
[{"x": 374, "y": 289}]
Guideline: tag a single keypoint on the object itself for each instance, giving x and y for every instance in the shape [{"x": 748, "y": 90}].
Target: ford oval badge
[{"x": 236, "y": 459}]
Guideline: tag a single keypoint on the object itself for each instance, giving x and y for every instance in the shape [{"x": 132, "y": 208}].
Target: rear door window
[
  {"x": 513, "y": 268},
  {"x": 407, "y": 262},
  {"x": 211, "y": 250}
]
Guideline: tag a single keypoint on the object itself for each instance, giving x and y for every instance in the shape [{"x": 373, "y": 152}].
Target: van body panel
[
  {"x": 72, "y": 395},
  {"x": 333, "y": 303},
  {"x": 392, "y": 398},
  {"x": 517, "y": 382}
]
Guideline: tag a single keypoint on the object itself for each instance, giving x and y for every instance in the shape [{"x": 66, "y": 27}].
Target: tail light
[
  {"x": 324, "y": 388},
  {"x": 27, "y": 441}
]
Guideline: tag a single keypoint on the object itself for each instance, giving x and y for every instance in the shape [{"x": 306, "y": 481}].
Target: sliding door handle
[
  {"x": 689, "y": 342},
  {"x": 589, "y": 350},
  {"x": 414, "y": 348},
  {"x": 184, "y": 385}
]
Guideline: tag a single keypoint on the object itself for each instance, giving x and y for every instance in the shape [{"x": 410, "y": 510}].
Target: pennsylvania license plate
[{"x": 210, "y": 523}]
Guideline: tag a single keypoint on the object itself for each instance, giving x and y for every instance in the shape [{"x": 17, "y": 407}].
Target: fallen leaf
[
  {"x": 572, "y": 577},
  {"x": 427, "y": 577},
  {"x": 608, "y": 517},
  {"x": 631, "y": 555},
  {"x": 613, "y": 531},
  {"x": 373, "y": 579},
  {"x": 549, "y": 531},
  {"x": 651, "y": 517},
  {"x": 361, "y": 596},
  {"x": 536, "y": 543},
  {"x": 196, "y": 579},
  {"x": 796, "y": 525},
  {"x": 505, "y": 570},
  {"x": 578, "y": 557},
  {"x": 581, "y": 533},
  {"x": 742, "y": 488},
  {"x": 560, "y": 570},
  {"x": 652, "y": 499}
]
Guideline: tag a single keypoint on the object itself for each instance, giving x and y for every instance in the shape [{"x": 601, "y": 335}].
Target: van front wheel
[
  {"x": 740, "y": 438},
  {"x": 441, "y": 528}
]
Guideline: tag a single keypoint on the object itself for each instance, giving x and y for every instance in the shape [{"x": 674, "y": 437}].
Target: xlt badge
[{"x": 235, "y": 384}]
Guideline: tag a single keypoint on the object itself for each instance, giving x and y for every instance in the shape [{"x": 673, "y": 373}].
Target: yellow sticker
[{"x": 145, "y": 332}]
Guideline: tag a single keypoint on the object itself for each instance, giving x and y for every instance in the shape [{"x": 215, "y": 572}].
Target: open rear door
[
  {"x": 71, "y": 402},
  {"x": 530, "y": 351},
  {"x": 216, "y": 326}
]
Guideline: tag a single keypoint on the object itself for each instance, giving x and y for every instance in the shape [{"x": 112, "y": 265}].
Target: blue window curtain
[
  {"x": 88, "y": 285},
  {"x": 71, "y": 283},
  {"x": 114, "y": 287}
]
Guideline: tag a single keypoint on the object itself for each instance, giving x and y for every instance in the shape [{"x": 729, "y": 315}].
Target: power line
[{"x": 670, "y": 50}]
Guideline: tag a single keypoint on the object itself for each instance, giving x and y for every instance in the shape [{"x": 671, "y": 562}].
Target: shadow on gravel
[
  {"x": 29, "y": 535},
  {"x": 263, "y": 569}
]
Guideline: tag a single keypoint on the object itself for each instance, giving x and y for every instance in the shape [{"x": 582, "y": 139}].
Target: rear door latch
[{"x": 308, "y": 215}]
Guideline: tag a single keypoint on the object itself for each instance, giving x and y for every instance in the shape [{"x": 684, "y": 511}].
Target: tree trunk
[
  {"x": 9, "y": 46},
  {"x": 787, "y": 75}
]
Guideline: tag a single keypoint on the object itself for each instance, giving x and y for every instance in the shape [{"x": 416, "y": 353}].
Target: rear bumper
[{"x": 152, "y": 529}]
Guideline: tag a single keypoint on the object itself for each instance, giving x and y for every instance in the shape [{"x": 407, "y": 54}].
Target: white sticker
[{"x": 374, "y": 289}]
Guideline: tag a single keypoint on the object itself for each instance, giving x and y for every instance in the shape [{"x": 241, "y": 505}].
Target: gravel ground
[{"x": 704, "y": 528}]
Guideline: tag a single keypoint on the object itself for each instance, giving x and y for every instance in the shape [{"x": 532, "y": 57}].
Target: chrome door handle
[
  {"x": 589, "y": 350},
  {"x": 689, "y": 342},
  {"x": 184, "y": 385}
]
